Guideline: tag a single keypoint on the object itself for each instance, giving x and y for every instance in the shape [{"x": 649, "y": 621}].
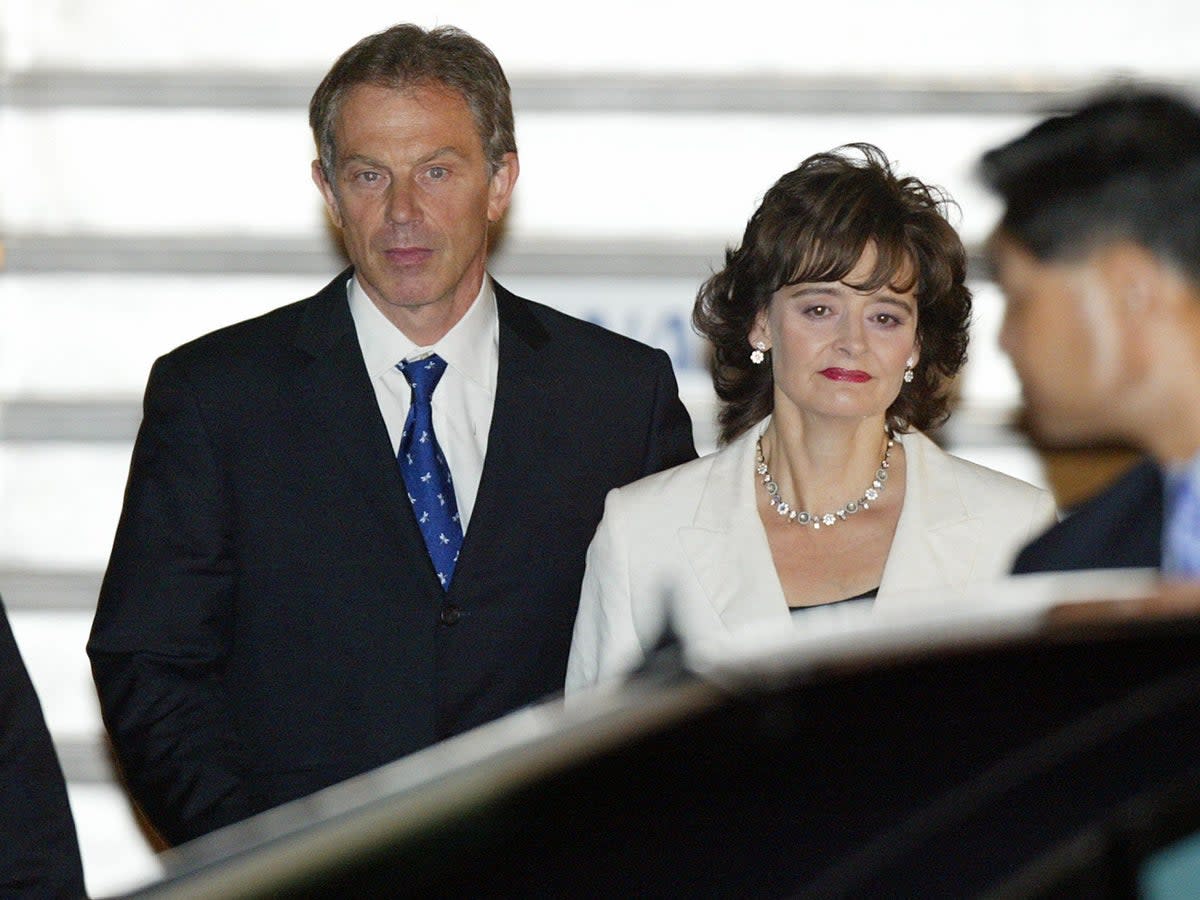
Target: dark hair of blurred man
[{"x": 1098, "y": 255}]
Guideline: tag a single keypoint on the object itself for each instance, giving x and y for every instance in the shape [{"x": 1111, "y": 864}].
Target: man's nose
[{"x": 401, "y": 202}]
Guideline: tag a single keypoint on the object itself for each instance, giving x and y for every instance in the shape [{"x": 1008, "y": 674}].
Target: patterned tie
[
  {"x": 425, "y": 472},
  {"x": 1181, "y": 534}
]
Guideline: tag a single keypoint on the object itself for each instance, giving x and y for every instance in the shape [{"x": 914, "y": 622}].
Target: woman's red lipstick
[{"x": 856, "y": 375}]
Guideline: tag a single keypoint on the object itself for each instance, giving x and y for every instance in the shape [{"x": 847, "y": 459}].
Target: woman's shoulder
[
  {"x": 981, "y": 481},
  {"x": 691, "y": 477},
  {"x": 677, "y": 478}
]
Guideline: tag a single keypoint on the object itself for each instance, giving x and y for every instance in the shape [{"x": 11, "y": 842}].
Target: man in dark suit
[
  {"x": 1098, "y": 254},
  {"x": 39, "y": 853},
  {"x": 288, "y": 603}
]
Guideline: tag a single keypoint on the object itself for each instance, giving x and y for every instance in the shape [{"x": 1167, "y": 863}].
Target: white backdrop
[{"x": 648, "y": 131}]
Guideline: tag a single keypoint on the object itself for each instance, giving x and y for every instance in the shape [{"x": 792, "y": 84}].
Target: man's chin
[{"x": 1058, "y": 429}]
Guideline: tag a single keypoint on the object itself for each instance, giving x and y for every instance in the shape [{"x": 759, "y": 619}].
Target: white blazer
[{"x": 691, "y": 538}]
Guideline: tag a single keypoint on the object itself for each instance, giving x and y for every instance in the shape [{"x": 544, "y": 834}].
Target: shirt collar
[
  {"x": 1179, "y": 472},
  {"x": 470, "y": 346}
]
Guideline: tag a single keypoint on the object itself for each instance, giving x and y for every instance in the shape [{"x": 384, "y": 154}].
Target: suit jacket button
[{"x": 450, "y": 614}]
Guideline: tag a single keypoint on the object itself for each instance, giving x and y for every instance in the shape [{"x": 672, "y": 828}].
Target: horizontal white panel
[
  {"x": 693, "y": 176},
  {"x": 603, "y": 175},
  {"x": 116, "y": 856},
  {"x": 59, "y": 504},
  {"x": 53, "y": 647},
  {"x": 125, "y": 171},
  {"x": 96, "y": 336},
  {"x": 1032, "y": 36},
  {"x": 117, "y": 325},
  {"x": 79, "y": 336}
]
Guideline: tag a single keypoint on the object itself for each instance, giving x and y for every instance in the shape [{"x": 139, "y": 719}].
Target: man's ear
[
  {"x": 500, "y": 188},
  {"x": 1137, "y": 278},
  {"x": 327, "y": 192}
]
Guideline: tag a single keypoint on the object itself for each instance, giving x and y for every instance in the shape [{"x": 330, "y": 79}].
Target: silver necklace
[{"x": 800, "y": 517}]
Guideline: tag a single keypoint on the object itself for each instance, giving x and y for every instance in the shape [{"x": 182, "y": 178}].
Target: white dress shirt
[
  {"x": 464, "y": 398},
  {"x": 1181, "y": 520}
]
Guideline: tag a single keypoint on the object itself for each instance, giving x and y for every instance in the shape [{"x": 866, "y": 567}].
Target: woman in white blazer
[{"x": 837, "y": 327}]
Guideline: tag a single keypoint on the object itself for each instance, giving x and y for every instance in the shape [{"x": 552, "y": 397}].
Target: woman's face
[{"x": 836, "y": 351}]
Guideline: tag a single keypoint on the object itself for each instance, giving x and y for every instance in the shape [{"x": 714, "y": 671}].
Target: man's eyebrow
[{"x": 448, "y": 150}]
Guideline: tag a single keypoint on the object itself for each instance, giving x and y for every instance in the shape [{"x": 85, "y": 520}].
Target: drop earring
[
  {"x": 759, "y": 353},
  {"x": 908, "y": 371}
]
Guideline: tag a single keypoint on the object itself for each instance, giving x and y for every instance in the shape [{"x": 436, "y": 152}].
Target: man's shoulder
[
  {"x": 522, "y": 313},
  {"x": 662, "y": 490},
  {"x": 984, "y": 486},
  {"x": 263, "y": 334},
  {"x": 1120, "y": 527}
]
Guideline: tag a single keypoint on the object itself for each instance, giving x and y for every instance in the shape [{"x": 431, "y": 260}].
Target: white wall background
[{"x": 648, "y": 131}]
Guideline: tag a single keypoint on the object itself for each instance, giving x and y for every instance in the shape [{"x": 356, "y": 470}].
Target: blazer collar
[
  {"x": 727, "y": 548},
  {"x": 327, "y": 318},
  {"x": 523, "y": 443},
  {"x": 335, "y": 387},
  {"x": 334, "y": 391},
  {"x": 726, "y": 544},
  {"x": 935, "y": 525}
]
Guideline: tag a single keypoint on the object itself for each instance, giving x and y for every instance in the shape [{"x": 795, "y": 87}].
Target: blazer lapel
[
  {"x": 727, "y": 546},
  {"x": 521, "y": 443},
  {"x": 933, "y": 534},
  {"x": 335, "y": 389}
]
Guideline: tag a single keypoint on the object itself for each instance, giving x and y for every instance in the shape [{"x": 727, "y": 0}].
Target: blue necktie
[
  {"x": 1181, "y": 534},
  {"x": 425, "y": 472}
]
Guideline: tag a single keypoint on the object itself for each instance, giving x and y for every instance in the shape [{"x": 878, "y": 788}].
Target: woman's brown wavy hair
[{"x": 814, "y": 225}]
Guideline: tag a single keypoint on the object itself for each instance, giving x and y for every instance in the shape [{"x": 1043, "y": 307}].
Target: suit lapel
[
  {"x": 727, "y": 546},
  {"x": 521, "y": 444},
  {"x": 335, "y": 390},
  {"x": 934, "y": 534}
]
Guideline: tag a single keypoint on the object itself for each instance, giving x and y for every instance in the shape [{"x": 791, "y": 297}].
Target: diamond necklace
[{"x": 791, "y": 514}]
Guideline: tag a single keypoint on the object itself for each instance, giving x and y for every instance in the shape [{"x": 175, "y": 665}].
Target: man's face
[
  {"x": 1064, "y": 335},
  {"x": 413, "y": 195}
]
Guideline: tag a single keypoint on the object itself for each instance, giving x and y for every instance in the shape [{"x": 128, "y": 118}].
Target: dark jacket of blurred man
[
  {"x": 39, "y": 853},
  {"x": 272, "y": 620},
  {"x": 1098, "y": 254}
]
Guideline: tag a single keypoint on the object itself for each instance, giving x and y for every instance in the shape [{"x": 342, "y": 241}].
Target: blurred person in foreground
[
  {"x": 356, "y": 525},
  {"x": 837, "y": 328},
  {"x": 1098, "y": 255},
  {"x": 39, "y": 852}
]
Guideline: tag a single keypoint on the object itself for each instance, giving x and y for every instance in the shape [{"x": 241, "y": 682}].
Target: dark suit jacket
[
  {"x": 1119, "y": 528},
  {"x": 39, "y": 853},
  {"x": 270, "y": 622}
]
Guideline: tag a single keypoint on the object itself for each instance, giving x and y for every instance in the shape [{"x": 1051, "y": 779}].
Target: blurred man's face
[{"x": 1063, "y": 333}]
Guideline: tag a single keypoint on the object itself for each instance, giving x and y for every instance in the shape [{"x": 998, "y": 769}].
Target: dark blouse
[{"x": 866, "y": 598}]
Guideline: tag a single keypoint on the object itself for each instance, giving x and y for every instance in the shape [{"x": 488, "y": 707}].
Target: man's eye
[
  {"x": 437, "y": 173},
  {"x": 367, "y": 177}
]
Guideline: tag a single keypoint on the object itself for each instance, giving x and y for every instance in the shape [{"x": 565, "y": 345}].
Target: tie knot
[{"x": 423, "y": 374}]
